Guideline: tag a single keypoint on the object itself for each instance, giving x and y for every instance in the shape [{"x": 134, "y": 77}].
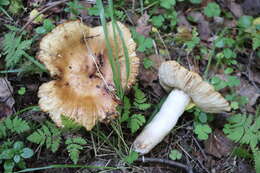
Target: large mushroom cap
[
  {"x": 76, "y": 55},
  {"x": 173, "y": 75}
]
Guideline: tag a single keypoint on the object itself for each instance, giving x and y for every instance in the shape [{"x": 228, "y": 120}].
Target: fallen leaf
[
  {"x": 182, "y": 21},
  {"x": 203, "y": 25},
  {"x": 5, "y": 110},
  {"x": 248, "y": 90},
  {"x": 218, "y": 145},
  {"x": 143, "y": 27},
  {"x": 235, "y": 8},
  {"x": 149, "y": 77},
  {"x": 6, "y": 98},
  {"x": 251, "y": 7}
]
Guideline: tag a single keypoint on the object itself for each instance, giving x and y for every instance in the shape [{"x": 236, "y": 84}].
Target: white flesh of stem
[{"x": 163, "y": 122}]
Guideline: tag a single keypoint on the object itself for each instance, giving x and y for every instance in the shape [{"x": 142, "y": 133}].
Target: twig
[
  {"x": 197, "y": 143},
  {"x": 249, "y": 71},
  {"x": 166, "y": 162},
  {"x": 41, "y": 12},
  {"x": 200, "y": 163}
]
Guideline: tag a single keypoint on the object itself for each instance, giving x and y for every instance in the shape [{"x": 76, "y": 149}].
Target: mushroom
[
  {"x": 184, "y": 85},
  {"x": 83, "y": 89}
]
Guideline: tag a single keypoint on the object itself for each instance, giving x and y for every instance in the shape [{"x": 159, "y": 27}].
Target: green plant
[
  {"x": 148, "y": 63},
  {"x": 74, "y": 8},
  {"x": 201, "y": 126},
  {"x": 131, "y": 157},
  {"x": 13, "y": 125},
  {"x": 48, "y": 135},
  {"x": 14, "y": 49},
  {"x": 175, "y": 155},
  {"x": 74, "y": 146},
  {"x": 157, "y": 21},
  {"x": 195, "y": 40},
  {"x": 45, "y": 28},
  {"x": 13, "y": 154},
  {"x": 21, "y": 91},
  {"x": 135, "y": 121},
  {"x": 15, "y": 6},
  {"x": 167, "y": 3},
  {"x": 245, "y": 129},
  {"x": 195, "y": 1},
  {"x": 144, "y": 44},
  {"x": 212, "y": 10}
]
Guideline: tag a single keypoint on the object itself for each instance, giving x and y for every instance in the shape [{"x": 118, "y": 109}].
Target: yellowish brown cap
[
  {"x": 173, "y": 75},
  {"x": 76, "y": 55}
]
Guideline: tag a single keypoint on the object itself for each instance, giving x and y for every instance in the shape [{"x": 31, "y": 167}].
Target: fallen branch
[{"x": 166, "y": 162}]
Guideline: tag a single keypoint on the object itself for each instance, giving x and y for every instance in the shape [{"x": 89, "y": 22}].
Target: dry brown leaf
[
  {"x": 143, "y": 27},
  {"x": 149, "y": 77},
  {"x": 248, "y": 90},
  {"x": 251, "y": 7},
  {"x": 218, "y": 145},
  {"x": 203, "y": 25},
  {"x": 6, "y": 98}
]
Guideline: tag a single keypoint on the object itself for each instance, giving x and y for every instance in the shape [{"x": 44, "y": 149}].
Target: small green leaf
[
  {"x": 234, "y": 105},
  {"x": 228, "y": 70},
  {"x": 41, "y": 30},
  {"x": 132, "y": 156},
  {"x": 158, "y": 21},
  {"x": 175, "y": 155},
  {"x": 233, "y": 81},
  {"x": 245, "y": 21},
  {"x": 8, "y": 166},
  {"x": 148, "y": 63},
  {"x": 203, "y": 117},
  {"x": 18, "y": 145},
  {"x": 27, "y": 153},
  {"x": 202, "y": 130},
  {"x": 195, "y": 1},
  {"x": 22, "y": 91},
  {"x": 135, "y": 122},
  {"x": 167, "y": 3},
  {"x": 4, "y": 2},
  {"x": 212, "y": 10},
  {"x": 17, "y": 158}
]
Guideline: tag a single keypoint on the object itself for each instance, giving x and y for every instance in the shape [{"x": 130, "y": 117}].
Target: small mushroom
[
  {"x": 184, "y": 85},
  {"x": 77, "y": 56}
]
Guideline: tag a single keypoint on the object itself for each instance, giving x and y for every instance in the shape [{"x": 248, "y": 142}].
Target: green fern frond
[
  {"x": 14, "y": 48},
  {"x": 15, "y": 125},
  {"x": 74, "y": 146},
  {"x": 256, "y": 154},
  {"x": 243, "y": 129},
  {"x": 48, "y": 135},
  {"x": 135, "y": 122},
  {"x": 140, "y": 99}
]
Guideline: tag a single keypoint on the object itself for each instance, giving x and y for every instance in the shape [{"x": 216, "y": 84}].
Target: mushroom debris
[
  {"x": 184, "y": 85},
  {"x": 77, "y": 56}
]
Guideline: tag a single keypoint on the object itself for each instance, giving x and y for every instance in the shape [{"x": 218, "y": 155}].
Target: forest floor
[{"x": 218, "y": 39}]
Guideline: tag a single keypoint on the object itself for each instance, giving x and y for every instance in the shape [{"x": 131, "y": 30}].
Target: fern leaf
[
  {"x": 257, "y": 160},
  {"x": 20, "y": 126},
  {"x": 37, "y": 137},
  {"x": 48, "y": 135},
  {"x": 136, "y": 121},
  {"x": 14, "y": 48},
  {"x": 2, "y": 130},
  {"x": 16, "y": 125},
  {"x": 74, "y": 146}
]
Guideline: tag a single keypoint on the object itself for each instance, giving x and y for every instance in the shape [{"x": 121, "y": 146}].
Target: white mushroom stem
[{"x": 163, "y": 122}]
